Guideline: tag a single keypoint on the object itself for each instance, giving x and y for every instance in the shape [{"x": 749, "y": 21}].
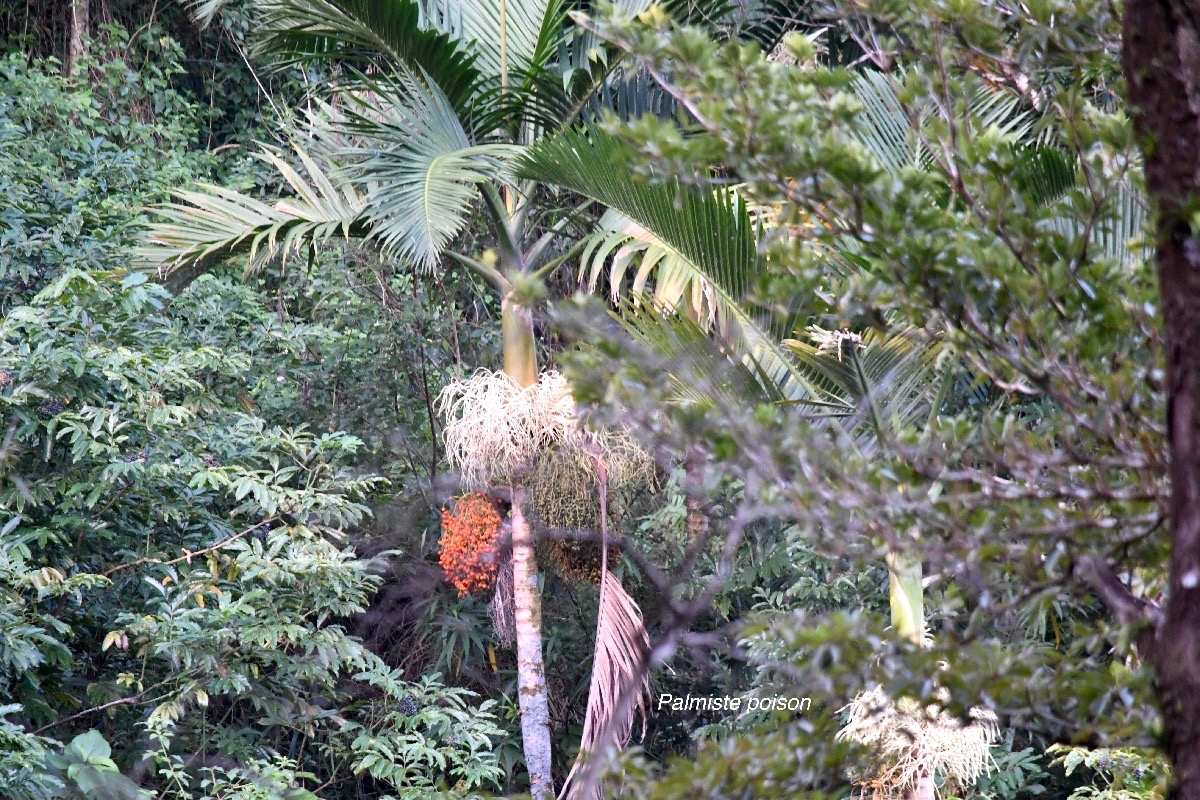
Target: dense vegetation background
[{"x": 888, "y": 315}]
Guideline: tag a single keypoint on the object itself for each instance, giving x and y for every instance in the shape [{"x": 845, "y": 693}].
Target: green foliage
[
  {"x": 79, "y": 159},
  {"x": 186, "y": 480},
  {"x": 1042, "y": 442},
  {"x": 216, "y": 540},
  {"x": 423, "y": 736},
  {"x": 1017, "y": 773},
  {"x": 422, "y": 169},
  {"x": 22, "y": 760},
  {"x": 1123, "y": 773},
  {"x": 85, "y": 765}
]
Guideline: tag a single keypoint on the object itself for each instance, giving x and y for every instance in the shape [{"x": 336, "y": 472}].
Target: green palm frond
[
  {"x": 766, "y": 21},
  {"x": 620, "y": 244},
  {"x": 505, "y": 35},
  {"x": 421, "y": 170},
  {"x": 1043, "y": 173},
  {"x": 204, "y": 227},
  {"x": 359, "y": 31},
  {"x": 891, "y": 379},
  {"x": 699, "y": 368},
  {"x": 885, "y": 128},
  {"x": 1121, "y": 236},
  {"x": 711, "y": 232}
]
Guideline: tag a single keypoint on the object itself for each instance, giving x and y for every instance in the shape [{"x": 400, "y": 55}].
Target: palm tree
[{"x": 436, "y": 102}]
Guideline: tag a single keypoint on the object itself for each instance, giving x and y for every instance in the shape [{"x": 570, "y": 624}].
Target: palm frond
[
  {"x": 767, "y": 21},
  {"x": 359, "y": 31},
  {"x": 891, "y": 379},
  {"x": 1121, "y": 236},
  {"x": 622, "y": 646},
  {"x": 504, "y": 35},
  {"x": 1043, "y": 173},
  {"x": 211, "y": 224},
  {"x": 620, "y": 244},
  {"x": 205, "y": 11},
  {"x": 885, "y": 127},
  {"x": 711, "y": 233},
  {"x": 628, "y": 92},
  {"x": 420, "y": 169},
  {"x": 699, "y": 368}
]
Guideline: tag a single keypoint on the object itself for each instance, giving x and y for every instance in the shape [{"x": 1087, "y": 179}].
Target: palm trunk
[
  {"x": 520, "y": 363},
  {"x": 925, "y": 788},
  {"x": 80, "y": 27},
  {"x": 520, "y": 357},
  {"x": 531, "y": 673},
  {"x": 693, "y": 487},
  {"x": 1161, "y": 55}
]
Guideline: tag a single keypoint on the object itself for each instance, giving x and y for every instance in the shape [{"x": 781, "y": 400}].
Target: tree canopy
[{"x": 719, "y": 398}]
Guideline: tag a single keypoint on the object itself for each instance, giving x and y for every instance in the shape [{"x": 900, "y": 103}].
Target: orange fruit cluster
[{"x": 467, "y": 550}]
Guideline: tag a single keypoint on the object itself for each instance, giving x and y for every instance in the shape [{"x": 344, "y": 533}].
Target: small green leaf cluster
[{"x": 423, "y": 735}]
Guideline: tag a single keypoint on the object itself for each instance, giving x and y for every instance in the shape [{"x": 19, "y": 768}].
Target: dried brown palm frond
[
  {"x": 502, "y": 608},
  {"x": 621, "y": 647},
  {"x": 911, "y": 741}
]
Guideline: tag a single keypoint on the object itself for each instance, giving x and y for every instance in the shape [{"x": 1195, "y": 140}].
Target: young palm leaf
[{"x": 420, "y": 170}]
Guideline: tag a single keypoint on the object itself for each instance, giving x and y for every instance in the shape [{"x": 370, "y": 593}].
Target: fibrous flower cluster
[
  {"x": 910, "y": 741},
  {"x": 495, "y": 427}
]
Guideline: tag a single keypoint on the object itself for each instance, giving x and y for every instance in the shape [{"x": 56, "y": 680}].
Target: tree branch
[
  {"x": 188, "y": 555},
  {"x": 1099, "y": 575}
]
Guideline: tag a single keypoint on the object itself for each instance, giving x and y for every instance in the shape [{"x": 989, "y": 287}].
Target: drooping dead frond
[
  {"x": 502, "y": 608},
  {"x": 910, "y": 741},
  {"x": 494, "y": 427},
  {"x": 621, "y": 647},
  {"x": 618, "y": 689}
]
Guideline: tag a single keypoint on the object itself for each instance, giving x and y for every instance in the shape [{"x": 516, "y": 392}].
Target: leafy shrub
[
  {"x": 185, "y": 564},
  {"x": 1119, "y": 773},
  {"x": 79, "y": 159}
]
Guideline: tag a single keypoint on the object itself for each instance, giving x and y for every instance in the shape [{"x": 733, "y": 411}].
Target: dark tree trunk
[
  {"x": 693, "y": 489},
  {"x": 1161, "y": 55},
  {"x": 79, "y": 27}
]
